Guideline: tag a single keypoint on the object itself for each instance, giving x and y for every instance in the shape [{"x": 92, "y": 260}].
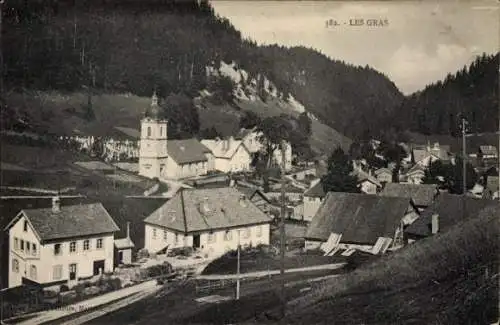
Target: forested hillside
[
  {"x": 136, "y": 46},
  {"x": 472, "y": 91}
]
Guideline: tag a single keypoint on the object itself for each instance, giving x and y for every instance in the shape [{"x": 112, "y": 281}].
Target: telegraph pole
[
  {"x": 238, "y": 270},
  {"x": 1, "y": 55},
  {"x": 282, "y": 229},
  {"x": 464, "y": 154}
]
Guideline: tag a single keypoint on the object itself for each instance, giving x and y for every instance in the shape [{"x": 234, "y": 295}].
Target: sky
[{"x": 422, "y": 42}]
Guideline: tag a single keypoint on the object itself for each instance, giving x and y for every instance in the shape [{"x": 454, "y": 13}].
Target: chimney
[
  {"x": 128, "y": 229},
  {"x": 205, "y": 206},
  {"x": 435, "y": 224},
  {"x": 56, "y": 204},
  {"x": 232, "y": 182}
]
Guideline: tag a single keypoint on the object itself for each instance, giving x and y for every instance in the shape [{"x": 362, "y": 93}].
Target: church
[{"x": 169, "y": 159}]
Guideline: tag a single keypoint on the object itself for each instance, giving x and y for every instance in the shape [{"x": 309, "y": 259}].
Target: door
[
  {"x": 98, "y": 267},
  {"x": 72, "y": 271},
  {"x": 120, "y": 257},
  {"x": 196, "y": 241}
]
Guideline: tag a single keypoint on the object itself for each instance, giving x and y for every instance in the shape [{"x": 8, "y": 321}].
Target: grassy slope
[
  {"x": 126, "y": 110},
  {"x": 441, "y": 280}
]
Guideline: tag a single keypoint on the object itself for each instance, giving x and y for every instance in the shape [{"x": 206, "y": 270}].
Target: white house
[
  {"x": 313, "y": 198},
  {"x": 383, "y": 175},
  {"x": 230, "y": 155},
  {"x": 211, "y": 220},
  {"x": 163, "y": 158},
  {"x": 250, "y": 138},
  {"x": 61, "y": 244}
]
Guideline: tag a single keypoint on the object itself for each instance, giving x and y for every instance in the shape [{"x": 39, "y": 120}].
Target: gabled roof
[
  {"x": 383, "y": 170},
  {"x": 363, "y": 176},
  {"x": 124, "y": 243},
  {"x": 420, "y": 194},
  {"x": 451, "y": 209},
  {"x": 416, "y": 169},
  {"x": 187, "y": 151},
  {"x": 71, "y": 221},
  {"x": 219, "y": 149},
  {"x": 316, "y": 191},
  {"x": 185, "y": 212},
  {"x": 488, "y": 150},
  {"x": 360, "y": 218},
  {"x": 130, "y": 133}
]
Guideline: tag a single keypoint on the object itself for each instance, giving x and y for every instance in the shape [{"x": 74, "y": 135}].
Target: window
[
  {"x": 15, "y": 265},
  {"x": 72, "y": 247},
  {"x": 165, "y": 235},
  {"x": 211, "y": 238},
  {"x": 22, "y": 245},
  {"x": 246, "y": 233},
  {"x": 149, "y": 131},
  {"x": 57, "y": 249},
  {"x": 33, "y": 249},
  {"x": 57, "y": 272},
  {"x": 228, "y": 235},
  {"x": 33, "y": 272},
  {"x": 25, "y": 228},
  {"x": 154, "y": 233},
  {"x": 259, "y": 231},
  {"x": 16, "y": 244},
  {"x": 28, "y": 248},
  {"x": 99, "y": 243},
  {"x": 161, "y": 130},
  {"x": 86, "y": 245}
]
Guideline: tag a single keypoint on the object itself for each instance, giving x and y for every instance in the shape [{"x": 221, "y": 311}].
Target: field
[
  {"x": 449, "y": 279},
  {"x": 253, "y": 260}
]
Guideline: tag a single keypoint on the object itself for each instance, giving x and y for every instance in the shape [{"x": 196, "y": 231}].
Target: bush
[
  {"x": 79, "y": 289},
  {"x": 160, "y": 269},
  {"x": 63, "y": 288},
  {"x": 142, "y": 253},
  {"x": 116, "y": 283}
]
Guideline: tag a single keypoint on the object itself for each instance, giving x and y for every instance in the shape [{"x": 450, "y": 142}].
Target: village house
[
  {"x": 425, "y": 155},
  {"x": 250, "y": 138},
  {"x": 61, "y": 244},
  {"x": 422, "y": 195},
  {"x": 485, "y": 152},
  {"x": 446, "y": 211},
  {"x": 383, "y": 175},
  {"x": 230, "y": 155},
  {"x": 172, "y": 159},
  {"x": 211, "y": 221},
  {"x": 491, "y": 189},
  {"x": 367, "y": 183},
  {"x": 313, "y": 198},
  {"x": 123, "y": 249},
  {"x": 415, "y": 175},
  {"x": 256, "y": 196},
  {"x": 368, "y": 223}
]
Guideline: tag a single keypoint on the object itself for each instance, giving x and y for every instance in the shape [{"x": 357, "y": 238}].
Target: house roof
[
  {"x": 382, "y": 170},
  {"x": 71, "y": 221},
  {"x": 488, "y": 150},
  {"x": 360, "y": 218},
  {"x": 441, "y": 152},
  {"x": 185, "y": 212},
  {"x": 219, "y": 149},
  {"x": 416, "y": 169},
  {"x": 187, "y": 151},
  {"x": 95, "y": 165},
  {"x": 421, "y": 194},
  {"x": 316, "y": 191},
  {"x": 363, "y": 176},
  {"x": 452, "y": 209},
  {"x": 129, "y": 132},
  {"x": 124, "y": 243}
]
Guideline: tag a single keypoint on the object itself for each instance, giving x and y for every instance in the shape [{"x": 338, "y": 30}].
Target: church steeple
[{"x": 154, "y": 110}]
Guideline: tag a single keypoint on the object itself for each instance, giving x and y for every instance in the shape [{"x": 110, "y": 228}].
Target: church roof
[
  {"x": 154, "y": 110},
  {"x": 187, "y": 151}
]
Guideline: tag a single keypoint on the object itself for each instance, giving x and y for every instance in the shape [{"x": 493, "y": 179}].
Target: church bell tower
[{"x": 153, "y": 143}]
